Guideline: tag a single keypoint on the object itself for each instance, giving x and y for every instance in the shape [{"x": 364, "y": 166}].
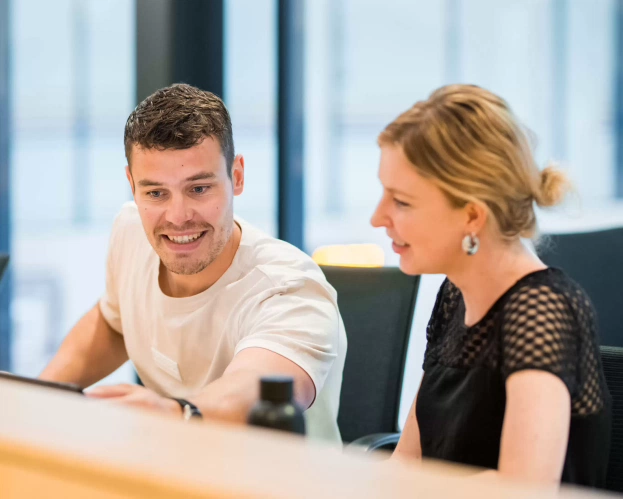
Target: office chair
[
  {"x": 594, "y": 260},
  {"x": 377, "y": 307},
  {"x": 612, "y": 360},
  {"x": 4, "y": 263}
]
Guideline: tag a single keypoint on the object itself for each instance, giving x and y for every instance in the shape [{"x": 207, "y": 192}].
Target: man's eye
[
  {"x": 154, "y": 194},
  {"x": 200, "y": 189}
]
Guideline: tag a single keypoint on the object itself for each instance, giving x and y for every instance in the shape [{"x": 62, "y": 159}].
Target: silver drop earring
[{"x": 471, "y": 243}]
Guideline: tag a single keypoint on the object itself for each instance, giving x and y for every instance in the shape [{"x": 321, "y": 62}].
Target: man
[{"x": 203, "y": 303}]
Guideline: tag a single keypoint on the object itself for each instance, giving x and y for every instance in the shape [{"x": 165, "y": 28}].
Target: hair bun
[{"x": 553, "y": 188}]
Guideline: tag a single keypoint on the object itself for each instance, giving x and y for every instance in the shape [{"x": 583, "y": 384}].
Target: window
[
  {"x": 72, "y": 88},
  {"x": 250, "y": 80},
  {"x": 369, "y": 60}
]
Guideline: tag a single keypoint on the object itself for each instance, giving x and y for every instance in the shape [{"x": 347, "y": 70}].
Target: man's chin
[
  {"x": 185, "y": 267},
  {"x": 185, "y": 263}
]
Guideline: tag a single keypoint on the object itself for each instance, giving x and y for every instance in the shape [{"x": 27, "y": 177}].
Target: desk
[{"x": 55, "y": 444}]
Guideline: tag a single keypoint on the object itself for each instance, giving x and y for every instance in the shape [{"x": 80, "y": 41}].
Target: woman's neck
[{"x": 490, "y": 273}]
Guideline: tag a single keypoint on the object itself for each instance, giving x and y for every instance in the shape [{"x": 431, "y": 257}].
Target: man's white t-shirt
[{"x": 273, "y": 296}]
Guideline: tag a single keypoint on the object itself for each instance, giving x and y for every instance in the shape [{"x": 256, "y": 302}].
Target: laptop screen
[{"x": 4, "y": 261}]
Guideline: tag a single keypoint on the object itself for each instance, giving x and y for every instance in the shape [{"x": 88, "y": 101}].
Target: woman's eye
[{"x": 400, "y": 203}]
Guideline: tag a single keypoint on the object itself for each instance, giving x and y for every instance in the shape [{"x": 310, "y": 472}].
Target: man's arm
[
  {"x": 294, "y": 333},
  {"x": 232, "y": 396},
  {"x": 91, "y": 351},
  {"x": 229, "y": 398}
]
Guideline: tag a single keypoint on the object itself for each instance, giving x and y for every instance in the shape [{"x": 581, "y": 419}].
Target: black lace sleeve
[
  {"x": 435, "y": 321},
  {"x": 539, "y": 331}
]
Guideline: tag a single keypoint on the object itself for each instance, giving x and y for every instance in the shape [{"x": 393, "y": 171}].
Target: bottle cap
[{"x": 276, "y": 389}]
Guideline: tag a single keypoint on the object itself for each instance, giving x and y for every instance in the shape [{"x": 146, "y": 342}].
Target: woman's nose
[{"x": 379, "y": 218}]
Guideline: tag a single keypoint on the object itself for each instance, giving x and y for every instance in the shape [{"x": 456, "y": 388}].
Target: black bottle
[{"x": 276, "y": 408}]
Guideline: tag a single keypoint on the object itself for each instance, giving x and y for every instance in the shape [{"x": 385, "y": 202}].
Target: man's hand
[
  {"x": 228, "y": 398},
  {"x": 136, "y": 396}
]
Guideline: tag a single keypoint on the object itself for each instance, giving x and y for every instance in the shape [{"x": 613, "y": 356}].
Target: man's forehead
[
  {"x": 207, "y": 146},
  {"x": 203, "y": 156}
]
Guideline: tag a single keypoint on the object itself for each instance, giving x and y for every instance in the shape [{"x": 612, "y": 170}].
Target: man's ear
[
  {"x": 128, "y": 174},
  {"x": 237, "y": 175}
]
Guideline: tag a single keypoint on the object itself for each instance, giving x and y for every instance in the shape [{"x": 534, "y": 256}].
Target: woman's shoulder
[
  {"x": 448, "y": 299},
  {"x": 548, "y": 286},
  {"x": 548, "y": 300}
]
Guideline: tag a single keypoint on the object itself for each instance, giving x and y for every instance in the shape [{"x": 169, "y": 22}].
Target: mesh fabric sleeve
[{"x": 539, "y": 331}]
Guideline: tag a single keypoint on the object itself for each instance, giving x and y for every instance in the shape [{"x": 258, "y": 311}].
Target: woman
[{"x": 512, "y": 373}]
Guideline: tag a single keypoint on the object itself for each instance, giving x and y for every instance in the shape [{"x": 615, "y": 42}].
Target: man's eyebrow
[
  {"x": 201, "y": 176},
  {"x": 194, "y": 178},
  {"x": 149, "y": 183}
]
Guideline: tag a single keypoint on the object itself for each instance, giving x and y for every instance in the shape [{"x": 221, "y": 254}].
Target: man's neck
[{"x": 182, "y": 286}]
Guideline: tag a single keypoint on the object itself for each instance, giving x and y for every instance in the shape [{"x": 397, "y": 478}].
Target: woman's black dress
[{"x": 545, "y": 322}]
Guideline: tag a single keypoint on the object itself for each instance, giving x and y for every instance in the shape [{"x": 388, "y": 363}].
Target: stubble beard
[{"x": 193, "y": 264}]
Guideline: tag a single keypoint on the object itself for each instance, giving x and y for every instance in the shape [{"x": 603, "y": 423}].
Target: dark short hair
[{"x": 179, "y": 117}]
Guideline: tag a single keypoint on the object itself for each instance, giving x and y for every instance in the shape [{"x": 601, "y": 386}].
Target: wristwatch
[{"x": 189, "y": 410}]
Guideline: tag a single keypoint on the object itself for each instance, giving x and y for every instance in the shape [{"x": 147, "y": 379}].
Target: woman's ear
[{"x": 477, "y": 215}]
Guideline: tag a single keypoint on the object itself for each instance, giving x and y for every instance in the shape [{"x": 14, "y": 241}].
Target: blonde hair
[{"x": 467, "y": 140}]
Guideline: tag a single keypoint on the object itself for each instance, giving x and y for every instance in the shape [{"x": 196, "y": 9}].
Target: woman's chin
[
  {"x": 409, "y": 268},
  {"x": 420, "y": 266}
]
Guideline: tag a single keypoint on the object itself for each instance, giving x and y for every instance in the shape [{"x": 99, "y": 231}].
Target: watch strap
[{"x": 189, "y": 410}]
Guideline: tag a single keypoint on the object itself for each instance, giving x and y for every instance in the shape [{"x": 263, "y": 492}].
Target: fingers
[
  {"x": 131, "y": 396},
  {"x": 105, "y": 392},
  {"x": 137, "y": 401},
  {"x": 132, "y": 401}
]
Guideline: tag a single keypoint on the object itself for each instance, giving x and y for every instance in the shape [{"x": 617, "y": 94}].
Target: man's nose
[{"x": 178, "y": 212}]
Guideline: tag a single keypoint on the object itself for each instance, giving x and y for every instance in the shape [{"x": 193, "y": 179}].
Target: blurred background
[{"x": 315, "y": 84}]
